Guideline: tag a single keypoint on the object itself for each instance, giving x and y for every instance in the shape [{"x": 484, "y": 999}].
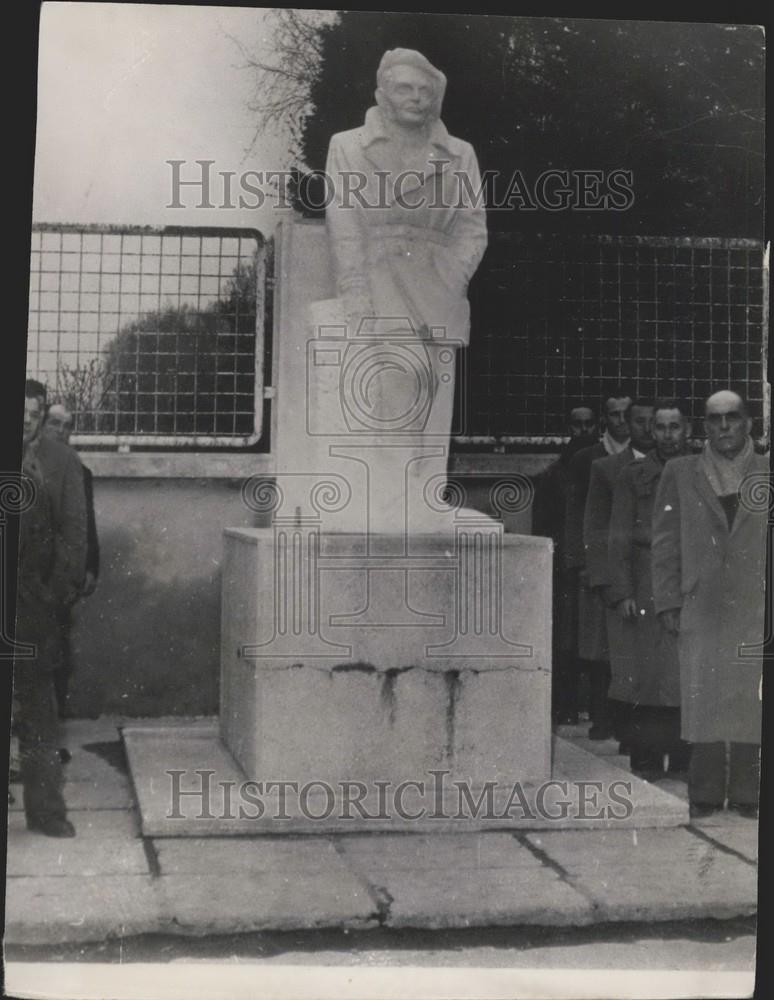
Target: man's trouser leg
[
  {"x": 599, "y": 704},
  {"x": 64, "y": 670},
  {"x": 653, "y": 732},
  {"x": 743, "y": 774},
  {"x": 37, "y": 725},
  {"x": 707, "y": 774}
]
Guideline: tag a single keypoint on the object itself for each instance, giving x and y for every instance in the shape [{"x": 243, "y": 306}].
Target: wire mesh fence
[
  {"x": 150, "y": 336},
  {"x": 156, "y": 337},
  {"x": 560, "y": 321}
]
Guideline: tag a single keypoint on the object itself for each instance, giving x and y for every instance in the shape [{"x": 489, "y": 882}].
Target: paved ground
[{"x": 111, "y": 883}]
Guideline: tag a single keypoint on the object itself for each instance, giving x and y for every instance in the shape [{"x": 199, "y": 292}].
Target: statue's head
[{"x": 409, "y": 89}]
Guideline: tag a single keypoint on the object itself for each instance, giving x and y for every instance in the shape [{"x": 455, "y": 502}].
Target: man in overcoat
[
  {"x": 593, "y": 652},
  {"x": 709, "y": 558},
  {"x": 646, "y": 673},
  {"x": 51, "y": 566},
  {"x": 58, "y": 426},
  {"x": 548, "y": 519},
  {"x": 596, "y": 526}
]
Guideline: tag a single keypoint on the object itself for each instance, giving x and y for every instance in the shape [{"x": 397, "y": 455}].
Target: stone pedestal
[{"x": 380, "y": 657}]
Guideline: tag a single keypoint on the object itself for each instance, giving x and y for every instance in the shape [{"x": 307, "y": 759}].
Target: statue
[{"x": 406, "y": 235}]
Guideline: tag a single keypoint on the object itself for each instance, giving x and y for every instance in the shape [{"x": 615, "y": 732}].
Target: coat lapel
[
  {"x": 382, "y": 152},
  {"x": 708, "y": 494}
]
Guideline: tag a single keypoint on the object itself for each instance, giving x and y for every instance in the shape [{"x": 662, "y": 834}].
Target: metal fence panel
[
  {"x": 150, "y": 336},
  {"x": 560, "y": 320}
]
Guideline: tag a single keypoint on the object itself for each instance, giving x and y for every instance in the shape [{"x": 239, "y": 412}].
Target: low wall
[{"x": 147, "y": 642}]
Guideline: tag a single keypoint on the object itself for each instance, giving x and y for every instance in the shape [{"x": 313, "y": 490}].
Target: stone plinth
[{"x": 378, "y": 658}]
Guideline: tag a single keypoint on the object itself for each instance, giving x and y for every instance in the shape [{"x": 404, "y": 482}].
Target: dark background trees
[{"x": 680, "y": 105}]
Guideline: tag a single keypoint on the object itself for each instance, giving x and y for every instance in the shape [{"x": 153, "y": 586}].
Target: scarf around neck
[
  {"x": 613, "y": 447},
  {"x": 726, "y": 474}
]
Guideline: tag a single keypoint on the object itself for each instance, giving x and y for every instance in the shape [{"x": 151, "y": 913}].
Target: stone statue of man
[{"x": 407, "y": 231}]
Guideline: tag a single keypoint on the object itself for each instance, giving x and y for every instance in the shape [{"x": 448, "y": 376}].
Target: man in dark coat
[
  {"x": 548, "y": 517},
  {"x": 646, "y": 673},
  {"x": 50, "y": 569},
  {"x": 709, "y": 561},
  {"x": 58, "y": 427},
  {"x": 596, "y": 527},
  {"x": 592, "y": 637}
]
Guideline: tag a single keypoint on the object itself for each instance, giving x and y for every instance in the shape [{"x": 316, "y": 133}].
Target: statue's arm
[
  {"x": 346, "y": 235},
  {"x": 469, "y": 236}
]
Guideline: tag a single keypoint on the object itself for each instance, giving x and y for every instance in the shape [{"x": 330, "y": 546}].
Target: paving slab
[
  {"x": 61, "y": 909},
  {"x": 75, "y": 732},
  {"x": 33, "y": 854},
  {"x": 651, "y": 805},
  {"x": 232, "y": 903},
  {"x": 99, "y": 794},
  {"x": 652, "y": 874},
  {"x": 109, "y": 792},
  {"x": 224, "y": 855},
  {"x": 737, "y": 837},
  {"x": 107, "y": 824},
  {"x": 422, "y": 852},
  {"x": 88, "y": 765},
  {"x": 196, "y": 763},
  {"x": 462, "y": 881}
]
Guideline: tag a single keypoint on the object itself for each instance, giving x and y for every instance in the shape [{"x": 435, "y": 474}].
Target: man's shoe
[
  {"x": 600, "y": 731},
  {"x": 700, "y": 810},
  {"x": 747, "y": 809},
  {"x": 64, "y": 755},
  {"x": 55, "y": 826}
]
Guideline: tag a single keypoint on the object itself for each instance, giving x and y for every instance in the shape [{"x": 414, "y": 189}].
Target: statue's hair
[{"x": 410, "y": 57}]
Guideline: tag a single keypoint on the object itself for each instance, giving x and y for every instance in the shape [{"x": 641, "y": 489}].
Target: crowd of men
[
  {"x": 659, "y": 590},
  {"x": 58, "y": 565}
]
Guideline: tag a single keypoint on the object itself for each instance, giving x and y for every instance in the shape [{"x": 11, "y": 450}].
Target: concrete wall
[{"x": 147, "y": 642}]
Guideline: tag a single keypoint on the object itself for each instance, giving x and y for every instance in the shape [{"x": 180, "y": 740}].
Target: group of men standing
[
  {"x": 58, "y": 564},
  {"x": 659, "y": 589}
]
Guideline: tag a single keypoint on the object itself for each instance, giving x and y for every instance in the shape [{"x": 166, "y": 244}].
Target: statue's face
[{"x": 408, "y": 96}]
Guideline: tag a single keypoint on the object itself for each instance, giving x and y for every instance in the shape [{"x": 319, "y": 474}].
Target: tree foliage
[
  {"x": 679, "y": 105},
  {"x": 183, "y": 368}
]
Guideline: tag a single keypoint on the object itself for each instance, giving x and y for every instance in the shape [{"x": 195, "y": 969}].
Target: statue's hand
[{"x": 357, "y": 307}]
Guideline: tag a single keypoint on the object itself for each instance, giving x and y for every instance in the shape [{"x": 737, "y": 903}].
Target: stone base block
[{"x": 381, "y": 658}]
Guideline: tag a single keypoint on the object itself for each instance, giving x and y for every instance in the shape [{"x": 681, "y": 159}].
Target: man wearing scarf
[
  {"x": 646, "y": 673},
  {"x": 709, "y": 558},
  {"x": 596, "y": 526}
]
